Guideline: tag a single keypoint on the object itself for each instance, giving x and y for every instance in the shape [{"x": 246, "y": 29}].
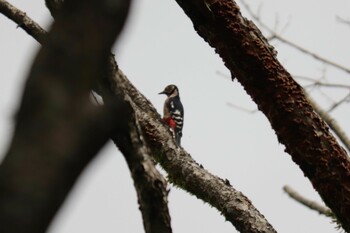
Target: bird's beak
[{"x": 161, "y": 93}]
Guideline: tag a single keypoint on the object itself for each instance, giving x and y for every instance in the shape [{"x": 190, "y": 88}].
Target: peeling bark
[{"x": 252, "y": 61}]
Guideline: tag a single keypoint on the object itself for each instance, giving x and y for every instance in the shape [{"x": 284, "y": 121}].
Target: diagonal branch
[
  {"x": 150, "y": 185},
  {"x": 252, "y": 61},
  {"x": 26, "y": 23},
  {"x": 182, "y": 170},
  {"x": 331, "y": 122},
  {"x": 307, "y": 202}
]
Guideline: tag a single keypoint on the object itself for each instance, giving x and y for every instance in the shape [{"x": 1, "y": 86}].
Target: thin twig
[
  {"x": 331, "y": 122},
  {"x": 274, "y": 35},
  {"x": 242, "y": 108},
  {"x": 321, "y": 84},
  {"x": 338, "y": 103},
  {"x": 342, "y": 20},
  {"x": 307, "y": 202}
]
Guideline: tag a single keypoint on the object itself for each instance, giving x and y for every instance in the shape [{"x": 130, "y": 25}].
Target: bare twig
[
  {"x": 23, "y": 21},
  {"x": 335, "y": 105},
  {"x": 242, "y": 108},
  {"x": 332, "y": 123},
  {"x": 274, "y": 35},
  {"x": 321, "y": 209},
  {"x": 317, "y": 83},
  {"x": 342, "y": 20}
]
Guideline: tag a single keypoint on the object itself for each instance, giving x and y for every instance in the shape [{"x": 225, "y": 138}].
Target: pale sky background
[{"x": 159, "y": 46}]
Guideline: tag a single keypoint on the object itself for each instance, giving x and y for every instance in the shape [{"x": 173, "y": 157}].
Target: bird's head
[{"x": 170, "y": 90}]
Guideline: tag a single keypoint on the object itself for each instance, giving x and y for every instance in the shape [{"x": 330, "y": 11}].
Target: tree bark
[
  {"x": 252, "y": 61},
  {"x": 150, "y": 185}
]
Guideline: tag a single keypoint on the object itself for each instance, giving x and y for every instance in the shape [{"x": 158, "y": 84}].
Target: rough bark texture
[
  {"x": 150, "y": 185},
  {"x": 58, "y": 131},
  {"x": 252, "y": 61},
  {"x": 182, "y": 170}
]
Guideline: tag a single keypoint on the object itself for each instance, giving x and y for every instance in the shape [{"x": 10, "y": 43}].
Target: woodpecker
[{"x": 173, "y": 112}]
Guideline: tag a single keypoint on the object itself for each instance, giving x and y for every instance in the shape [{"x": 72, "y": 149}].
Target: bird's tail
[{"x": 178, "y": 138}]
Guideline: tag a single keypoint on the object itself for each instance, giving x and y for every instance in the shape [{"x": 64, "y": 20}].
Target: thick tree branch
[
  {"x": 252, "y": 61},
  {"x": 26, "y": 23},
  {"x": 182, "y": 170},
  {"x": 58, "y": 131},
  {"x": 150, "y": 185}
]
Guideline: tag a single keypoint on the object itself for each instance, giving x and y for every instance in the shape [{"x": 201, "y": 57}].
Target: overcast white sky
[{"x": 159, "y": 47}]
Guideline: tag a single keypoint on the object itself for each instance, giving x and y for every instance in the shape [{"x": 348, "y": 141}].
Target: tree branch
[
  {"x": 252, "y": 61},
  {"x": 150, "y": 185},
  {"x": 342, "y": 20},
  {"x": 26, "y": 23},
  {"x": 308, "y": 203},
  {"x": 58, "y": 131},
  {"x": 182, "y": 170}
]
